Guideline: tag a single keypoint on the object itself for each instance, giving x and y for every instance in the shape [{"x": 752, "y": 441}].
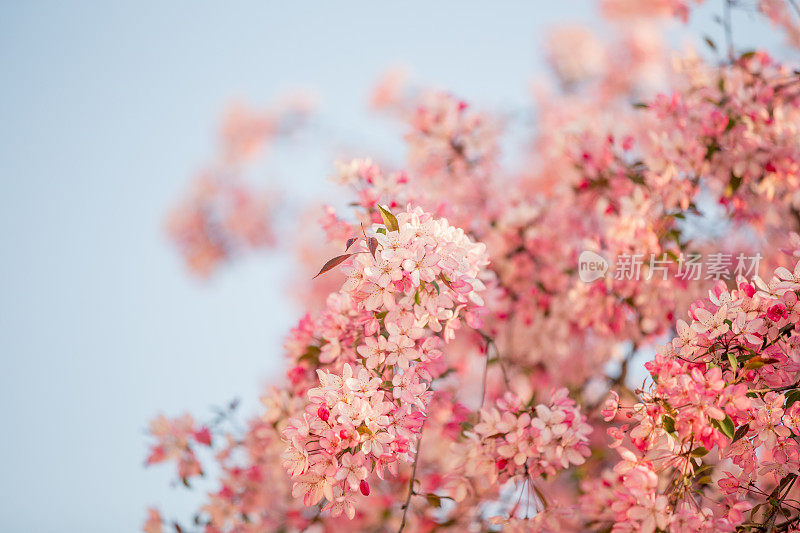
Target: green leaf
[
  {"x": 669, "y": 424},
  {"x": 433, "y": 500},
  {"x": 725, "y": 426},
  {"x": 699, "y": 452},
  {"x": 311, "y": 354},
  {"x": 732, "y": 360},
  {"x": 636, "y": 178},
  {"x": 381, "y": 230},
  {"x": 389, "y": 220},
  {"x": 734, "y": 184},
  {"x": 754, "y": 364},
  {"x": 754, "y": 510},
  {"x": 792, "y": 397},
  {"x": 741, "y": 431},
  {"x": 703, "y": 469}
]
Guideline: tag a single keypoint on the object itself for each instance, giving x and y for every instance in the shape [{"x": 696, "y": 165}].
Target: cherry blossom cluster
[
  {"x": 224, "y": 215},
  {"x": 245, "y": 132},
  {"x": 784, "y": 14},
  {"x": 370, "y": 184},
  {"x": 412, "y": 288},
  {"x": 447, "y": 141},
  {"x": 737, "y": 127},
  {"x": 221, "y": 218},
  {"x": 175, "y": 439},
  {"x": 728, "y": 384},
  {"x": 447, "y": 136},
  {"x": 514, "y": 439}
]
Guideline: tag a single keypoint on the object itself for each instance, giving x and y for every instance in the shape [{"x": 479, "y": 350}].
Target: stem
[
  {"x": 314, "y": 519},
  {"x": 485, "y": 373},
  {"x": 778, "y": 389},
  {"x": 411, "y": 482},
  {"x": 774, "y": 512}
]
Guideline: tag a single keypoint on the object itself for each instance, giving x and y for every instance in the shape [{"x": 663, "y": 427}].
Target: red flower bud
[
  {"x": 501, "y": 464},
  {"x": 364, "y": 488},
  {"x": 203, "y": 436},
  {"x": 323, "y": 412}
]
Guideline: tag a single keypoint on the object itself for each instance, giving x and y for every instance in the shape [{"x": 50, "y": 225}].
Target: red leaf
[
  {"x": 339, "y": 259},
  {"x": 372, "y": 244},
  {"x": 350, "y": 242}
]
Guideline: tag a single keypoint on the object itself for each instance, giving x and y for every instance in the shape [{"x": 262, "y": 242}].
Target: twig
[
  {"x": 313, "y": 519},
  {"x": 485, "y": 374},
  {"x": 773, "y": 515},
  {"x": 777, "y": 389},
  {"x": 411, "y": 482}
]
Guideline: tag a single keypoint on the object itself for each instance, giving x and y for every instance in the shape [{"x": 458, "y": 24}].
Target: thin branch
[
  {"x": 314, "y": 519},
  {"x": 485, "y": 375},
  {"x": 411, "y": 482},
  {"x": 773, "y": 515},
  {"x": 777, "y": 389},
  {"x": 489, "y": 343}
]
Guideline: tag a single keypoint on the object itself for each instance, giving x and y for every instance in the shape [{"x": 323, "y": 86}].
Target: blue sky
[{"x": 105, "y": 112}]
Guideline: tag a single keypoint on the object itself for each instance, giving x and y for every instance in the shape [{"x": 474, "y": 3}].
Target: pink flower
[
  {"x": 712, "y": 324},
  {"x": 154, "y": 523},
  {"x": 374, "y": 350},
  {"x": 611, "y": 406},
  {"x": 314, "y": 486},
  {"x": 352, "y": 469},
  {"x": 650, "y": 513}
]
